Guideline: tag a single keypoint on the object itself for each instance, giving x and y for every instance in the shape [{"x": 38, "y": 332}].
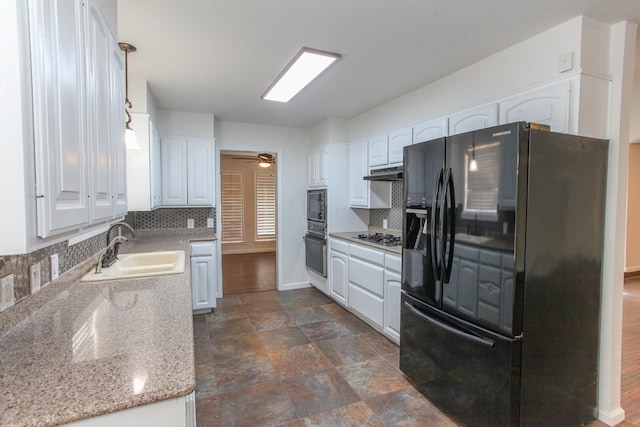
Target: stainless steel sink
[{"x": 140, "y": 265}]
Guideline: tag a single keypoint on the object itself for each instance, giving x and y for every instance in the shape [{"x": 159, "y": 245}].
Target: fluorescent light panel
[{"x": 302, "y": 69}]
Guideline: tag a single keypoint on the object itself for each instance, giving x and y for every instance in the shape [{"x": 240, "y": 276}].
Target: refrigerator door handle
[
  {"x": 451, "y": 329},
  {"x": 435, "y": 228},
  {"x": 449, "y": 209}
]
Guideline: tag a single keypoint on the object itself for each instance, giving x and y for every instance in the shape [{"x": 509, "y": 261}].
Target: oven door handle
[{"x": 450, "y": 329}]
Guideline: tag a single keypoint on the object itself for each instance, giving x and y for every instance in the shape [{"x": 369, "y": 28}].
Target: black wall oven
[{"x": 315, "y": 241}]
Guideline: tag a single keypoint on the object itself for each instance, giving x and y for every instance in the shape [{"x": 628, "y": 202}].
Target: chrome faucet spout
[
  {"x": 120, "y": 224},
  {"x": 109, "y": 253}
]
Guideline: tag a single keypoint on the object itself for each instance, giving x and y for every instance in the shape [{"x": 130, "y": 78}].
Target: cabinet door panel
[
  {"x": 397, "y": 141},
  {"x": 547, "y": 106},
  {"x": 155, "y": 166},
  {"x": 98, "y": 110},
  {"x": 200, "y": 183},
  {"x": 58, "y": 105},
  {"x": 339, "y": 277},
  {"x": 358, "y": 188},
  {"x": 392, "y": 305},
  {"x": 117, "y": 121},
  {"x": 203, "y": 293},
  {"x": 480, "y": 117},
  {"x": 433, "y": 129},
  {"x": 174, "y": 172},
  {"x": 378, "y": 151}
]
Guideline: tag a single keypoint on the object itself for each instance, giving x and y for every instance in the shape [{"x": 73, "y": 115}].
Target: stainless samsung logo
[{"x": 506, "y": 132}]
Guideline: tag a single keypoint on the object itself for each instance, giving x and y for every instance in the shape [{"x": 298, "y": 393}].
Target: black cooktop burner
[{"x": 382, "y": 239}]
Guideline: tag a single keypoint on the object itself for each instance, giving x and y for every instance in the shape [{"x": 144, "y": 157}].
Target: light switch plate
[
  {"x": 35, "y": 281},
  {"x": 6, "y": 292},
  {"x": 210, "y": 222},
  {"x": 190, "y": 223},
  {"x": 55, "y": 272}
]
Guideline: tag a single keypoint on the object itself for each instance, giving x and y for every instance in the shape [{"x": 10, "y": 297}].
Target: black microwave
[{"x": 317, "y": 205}]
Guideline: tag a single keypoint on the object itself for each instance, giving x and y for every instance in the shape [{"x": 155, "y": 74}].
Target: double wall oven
[{"x": 315, "y": 241}]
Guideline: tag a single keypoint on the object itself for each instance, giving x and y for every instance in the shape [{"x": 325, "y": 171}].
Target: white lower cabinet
[
  {"x": 392, "y": 288},
  {"x": 178, "y": 412},
  {"x": 203, "y": 275},
  {"x": 366, "y": 283},
  {"x": 338, "y": 270}
]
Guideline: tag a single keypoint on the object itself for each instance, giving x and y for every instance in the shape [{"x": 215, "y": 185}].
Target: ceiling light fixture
[
  {"x": 129, "y": 135},
  {"x": 299, "y": 72}
]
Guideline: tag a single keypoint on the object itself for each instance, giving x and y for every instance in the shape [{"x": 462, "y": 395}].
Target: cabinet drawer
[
  {"x": 339, "y": 245},
  {"x": 392, "y": 262},
  {"x": 202, "y": 248},
  {"x": 367, "y": 254},
  {"x": 367, "y": 276},
  {"x": 367, "y": 304}
]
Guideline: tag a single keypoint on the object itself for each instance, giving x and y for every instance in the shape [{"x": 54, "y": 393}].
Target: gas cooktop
[{"x": 381, "y": 239}]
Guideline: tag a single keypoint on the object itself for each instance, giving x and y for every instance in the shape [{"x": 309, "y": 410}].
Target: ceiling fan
[{"x": 264, "y": 159}]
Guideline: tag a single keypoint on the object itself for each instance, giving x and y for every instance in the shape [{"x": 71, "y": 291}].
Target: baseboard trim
[
  {"x": 611, "y": 418},
  {"x": 631, "y": 274},
  {"x": 298, "y": 285}
]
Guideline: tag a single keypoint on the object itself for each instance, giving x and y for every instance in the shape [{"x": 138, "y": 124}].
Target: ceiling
[{"x": 219, "y": 56}]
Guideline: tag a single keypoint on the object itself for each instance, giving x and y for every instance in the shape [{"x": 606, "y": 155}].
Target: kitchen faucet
[{"x": 109, "y": 255}]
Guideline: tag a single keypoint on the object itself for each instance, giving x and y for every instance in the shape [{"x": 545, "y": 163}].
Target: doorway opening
[{"x": 248, "y": 221}]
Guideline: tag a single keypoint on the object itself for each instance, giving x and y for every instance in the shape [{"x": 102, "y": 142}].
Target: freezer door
[
  {"x": 470, "y": 373},
  {"x": 423, "y": 179}
]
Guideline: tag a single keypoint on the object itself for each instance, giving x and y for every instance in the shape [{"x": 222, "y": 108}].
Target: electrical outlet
[
  {"x": 55, "y": 272},
  {"x": 385, "y": 223},
  {"x": 190, "y": 223},
  {"x": 34, "y": 278},
  {"x": 6, "y": 292},
  {"x": 565, "y": 62},
  {"x": 210, "y": 222}
]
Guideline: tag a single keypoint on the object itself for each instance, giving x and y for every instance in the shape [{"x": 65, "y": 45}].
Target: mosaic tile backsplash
[
  {"x": 70, "y": 256},
  {"x": 393, "y": 215}
]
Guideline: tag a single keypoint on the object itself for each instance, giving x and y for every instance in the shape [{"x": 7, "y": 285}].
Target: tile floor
[{"x": 296, "y": 358}]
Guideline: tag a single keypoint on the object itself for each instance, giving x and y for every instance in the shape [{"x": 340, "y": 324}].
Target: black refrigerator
[{"x": 502, "y": 254}]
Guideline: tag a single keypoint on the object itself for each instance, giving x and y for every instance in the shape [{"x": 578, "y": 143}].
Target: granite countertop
[
  {"x": 76, "y": 350},
  {"x": 352, "y": 236}
]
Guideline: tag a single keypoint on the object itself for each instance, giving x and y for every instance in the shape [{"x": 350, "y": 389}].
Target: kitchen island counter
[{"x": 76, "y": 350}]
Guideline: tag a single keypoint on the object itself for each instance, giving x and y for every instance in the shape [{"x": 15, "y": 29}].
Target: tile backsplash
[
  {"x": 393, "y": 215},
  {"x": 71, "y": 255}
]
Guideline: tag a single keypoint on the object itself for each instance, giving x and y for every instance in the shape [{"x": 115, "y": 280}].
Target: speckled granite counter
[
  {"x": 353, "y": 237},
  {"x": 76, "y": 350}
]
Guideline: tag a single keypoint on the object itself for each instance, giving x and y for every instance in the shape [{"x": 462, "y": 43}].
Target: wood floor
[
  {"x": 630, "y": 393},
  {"x": 254, "y": 272}
]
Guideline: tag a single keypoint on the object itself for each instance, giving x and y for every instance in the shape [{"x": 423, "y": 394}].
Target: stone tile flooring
[{"x": 296, "y": 358}]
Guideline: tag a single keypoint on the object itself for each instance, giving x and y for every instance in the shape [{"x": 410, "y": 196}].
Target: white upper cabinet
[
  {"x": 97, "y": 38},
  {"x": 200, "y": 177},
  {"x": 77, "y": 79},
  {"x": 378, "y": 151},
  {"x": 187, "y": 171},
  {"x": 362, "y": 193},
  {"x": 358, "y": 167},
  {"x": 57, "y": 73},
  {"x": 479, "y": 117},
  {"x": 546, "y": 105},
  {"x": 155, "y": 165},
  {"x": 174, "y": 171},
  {"x": 318, "y": 168},
  {"x": 432, "y": 129},
  {"x": 397, "y": 141},
  {"x": 118, "y": 123}
]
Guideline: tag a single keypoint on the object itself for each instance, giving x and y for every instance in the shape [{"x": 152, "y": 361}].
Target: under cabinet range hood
[{"x": 385, "y": 174}]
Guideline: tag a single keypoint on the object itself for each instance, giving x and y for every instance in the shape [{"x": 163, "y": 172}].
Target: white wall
[
  {"x": 291, "y": 146},
  {"x": 527, "y": 64},
  {"x": 179, "y": 123}
]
